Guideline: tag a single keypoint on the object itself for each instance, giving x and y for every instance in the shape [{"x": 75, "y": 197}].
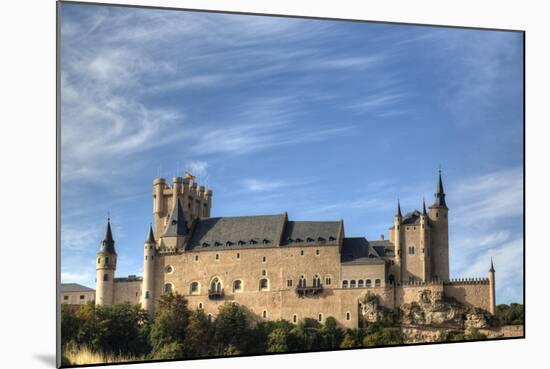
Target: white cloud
[
  {"x": 257, "y": 185},
  {"x": 84, "y": 278}
]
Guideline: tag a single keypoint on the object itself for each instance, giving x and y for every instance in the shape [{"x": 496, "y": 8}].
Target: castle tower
[
  {"x": 439, "y": 237},
  {"x": 176, "y": 232},
  {"x": 397, "y": 242},
  {"x": 492, "y": 294},
  {"x": 148, "y": 284},
  {"x": 425, "y": 243},
  {"x": 160, "y": 208},
  {"x": 105, "y": 268}
]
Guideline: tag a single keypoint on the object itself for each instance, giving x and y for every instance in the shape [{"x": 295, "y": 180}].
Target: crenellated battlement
[
  {"x": 434, "y": 282},
  {"x": 462, "y": 281}
]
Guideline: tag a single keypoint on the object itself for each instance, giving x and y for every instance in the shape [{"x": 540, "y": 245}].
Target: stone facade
[{"x": 285, "y": 269}]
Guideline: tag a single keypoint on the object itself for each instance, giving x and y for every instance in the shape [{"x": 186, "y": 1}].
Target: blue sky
[{"x": 322, "y": 119}]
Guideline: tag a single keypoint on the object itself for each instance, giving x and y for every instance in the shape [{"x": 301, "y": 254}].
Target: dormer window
[
  {"x": 309, "y": 239},
  {"x": 320, "y": 239},
  {"x": 228, "y": 243},
  {"x": 253, "y": 242},
  {"x": 299, "y": 240},
  {"x": 290, "y": 240},
  {"x": 205, "y": 244},
  {"x": 331, "y": 238},
  {"x": 241, "y": 242},
  {"x": 217, "y": 243},
  {"x": 265, "y": 241}
]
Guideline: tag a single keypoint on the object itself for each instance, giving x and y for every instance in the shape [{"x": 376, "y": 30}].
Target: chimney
[{"x": 382, "y": 237}]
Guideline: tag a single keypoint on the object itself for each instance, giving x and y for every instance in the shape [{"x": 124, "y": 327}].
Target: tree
[
  {"x": 332, "y": 335},
  {"x": 308, "y": 334},
  {"x": 70, "y": 325},
  {"x": 169, "y": 327},
  {"x": 199, "y": 335},
  {"x": 352, "y": 338},
  {"x": 232, "y": 329}
]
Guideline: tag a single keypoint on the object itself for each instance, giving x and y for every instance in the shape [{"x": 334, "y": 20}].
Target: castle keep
[{"x": 280, "y": 268}]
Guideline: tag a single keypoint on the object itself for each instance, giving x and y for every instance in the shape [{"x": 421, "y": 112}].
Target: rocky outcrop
[{"x": 432, "y": 309}]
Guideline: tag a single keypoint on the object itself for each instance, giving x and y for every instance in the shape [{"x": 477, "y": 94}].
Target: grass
[{"x": 83, "y": 355}]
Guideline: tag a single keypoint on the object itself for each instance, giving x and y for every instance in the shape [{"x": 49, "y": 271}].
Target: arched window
[
  {"x": 328, "y": 280},
  {"x": 377, "y": 283},
  {"x": 289, "y": 282},
  {"x": 237, "y": 285},
  {"x": 302, "y": 282},
  {"x": 345, "y": 284},
  {"x": 264, "y": 259},
  {"x": 147, "y": 294},
  {"x": 168, "y": 287},
  {"x": 209, "y": 317},
  {"x": 98, "y": 260},
  {"x": 200, "y": 305},
  {"x": 217, "y": 256},
  {"x": 360, "y": 283},
  {"x": 294, "y": 318},
  {"x": 317, "y": 252},
  {"x": 348, "y": 316},
  {"x": 264, "y": 314},
  {"x": 368, "y": 283},
  {"x": 316, "y": 281},
  {"x": 216, "y": 286},
  {"x": 105, "y": 277},
  {"x": 264, "y": 284},
  {"x": 264, "y": 272},
  {"x": 320, "y": 317},
  {"x": 391, "y": 279},
  {"x": 352, "y": 283},
  {"x": 194, "y": 290}
]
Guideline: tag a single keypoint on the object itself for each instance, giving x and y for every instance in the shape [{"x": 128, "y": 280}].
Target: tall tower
[
  {"x": 148, "y": 284},
  {"x": 397, "y": 242},
  {"x": 492, "y": 294},
  {"x": 439, "y": 250},
  {"x": 425, "y": 243},
  {"x": 105, "y": 268}
]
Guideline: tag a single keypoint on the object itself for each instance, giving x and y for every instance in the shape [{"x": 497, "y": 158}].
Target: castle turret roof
[
  {"x": 150, "y": 236},
  {"x": 423, "y": 206},
  {"x": 439, "y": 195},
  {"x": 108, "y": 243},
  {"x": 177, "y": 226},
  {"x": 492, "y": 270},
  {"x": 398, "y": 211}
]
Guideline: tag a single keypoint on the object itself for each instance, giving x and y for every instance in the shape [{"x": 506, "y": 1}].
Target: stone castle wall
[
  {"x": 127, "y": 291},
  {"x": 470, "y": 293}
]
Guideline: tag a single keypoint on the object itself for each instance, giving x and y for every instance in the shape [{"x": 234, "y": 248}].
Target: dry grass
[{"x": 83, "y": 356}]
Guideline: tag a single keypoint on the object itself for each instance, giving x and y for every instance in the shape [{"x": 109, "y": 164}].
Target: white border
[{"x": 28, "y": 183}]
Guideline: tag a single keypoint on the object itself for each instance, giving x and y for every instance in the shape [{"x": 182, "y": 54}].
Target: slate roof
[
  {"x": 411, "y": 218},
  {"x": 357, "y": 250},
  {"x": 382, "y": 247},
  {"x": 177, "y": 226},
  {"x": 130, "y": 278},
  {"x": 107, "y": 245},
  {"x": 74, "y": 287},
  {"x": 304, "y": 232},
  {"x": 237, "y": 232}
]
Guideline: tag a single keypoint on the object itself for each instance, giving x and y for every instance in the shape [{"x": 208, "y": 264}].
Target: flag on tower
[{"x": 188, "y": 175}]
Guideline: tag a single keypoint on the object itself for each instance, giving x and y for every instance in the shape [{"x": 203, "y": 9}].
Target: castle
[{"x": 279, "y": 268}]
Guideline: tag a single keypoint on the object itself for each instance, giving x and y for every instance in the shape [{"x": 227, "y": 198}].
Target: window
[
  {"x": 106, "y": 260},
  {"x": 65, "y": 297},
  {"x": 152, "y": 257},
  {"x": 194, "y": 288},
  {"x": 264, "y": 259},
  {"x": 168, "y": 288},
  {"x": 348, "y": 316},
  {"x": 320, "y": 317},
  {"x": 264, "y": 272},
  {"x": 238, "y": 255},
  {"x": 145, "y": 257},
  {"x": 217, "y": 256},
  {"x": 302, "y": 282},
  {"x": 328, "y": 280},
  {"x": 196, "y": 257},
  {"x": 200, "y": 305},
  {"x": 169, "y": 269},
  {"x": 360, "y": 283},
  {"x": 377, "y": 283},
  {"x": 317, "y": 252},
  {"x": 209, "y": 317},
  {"x": 264, "y": 314},
  {"x": 238, "y": 285},
  {"x": 105, "y": 277},
  {"x": 368, "y": 283},
  {"x": 216, "y": 286},
  {"x": 98, "y": 260},
  {"x": 316, "y": 281},
  {"x": 301, "y": 252},
  {"x": 289, "y": 282},
  {"x": 352, "y": 283},
  {"x": 294, "y": 318},
  {"x": 264, "y": 284},
  {"x": 205, "y": 211},
  {"x": 344, "y": 284},
  {"x": 411, "y": 250},
  {"x": 147, "y": 294},
  {"x": 82, "y": 297}
]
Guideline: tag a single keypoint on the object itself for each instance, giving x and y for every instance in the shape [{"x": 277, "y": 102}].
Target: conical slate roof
[
  {"x": 423, "y": 207},
  {"x": 108, "y": 243},
  {"x": 492, "y": 270},
  {"x": 177, "y": 225},
  {"x": 398, "y": 211},
  {"x": 150, "y": 236},
  {"x": 439, "y": 195}
]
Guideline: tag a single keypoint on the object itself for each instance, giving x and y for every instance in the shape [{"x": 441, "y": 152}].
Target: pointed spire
[
  {"x": 492, "y": 270},
  {"x": 439, "y": 195},
  {"x": 398, "y": 212},
  {"x": 150, "y": 236},
  {"x": 177, "y": 226},
  {"x": 423, "y": 206},
  {"x": 108, "y": 243}
]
